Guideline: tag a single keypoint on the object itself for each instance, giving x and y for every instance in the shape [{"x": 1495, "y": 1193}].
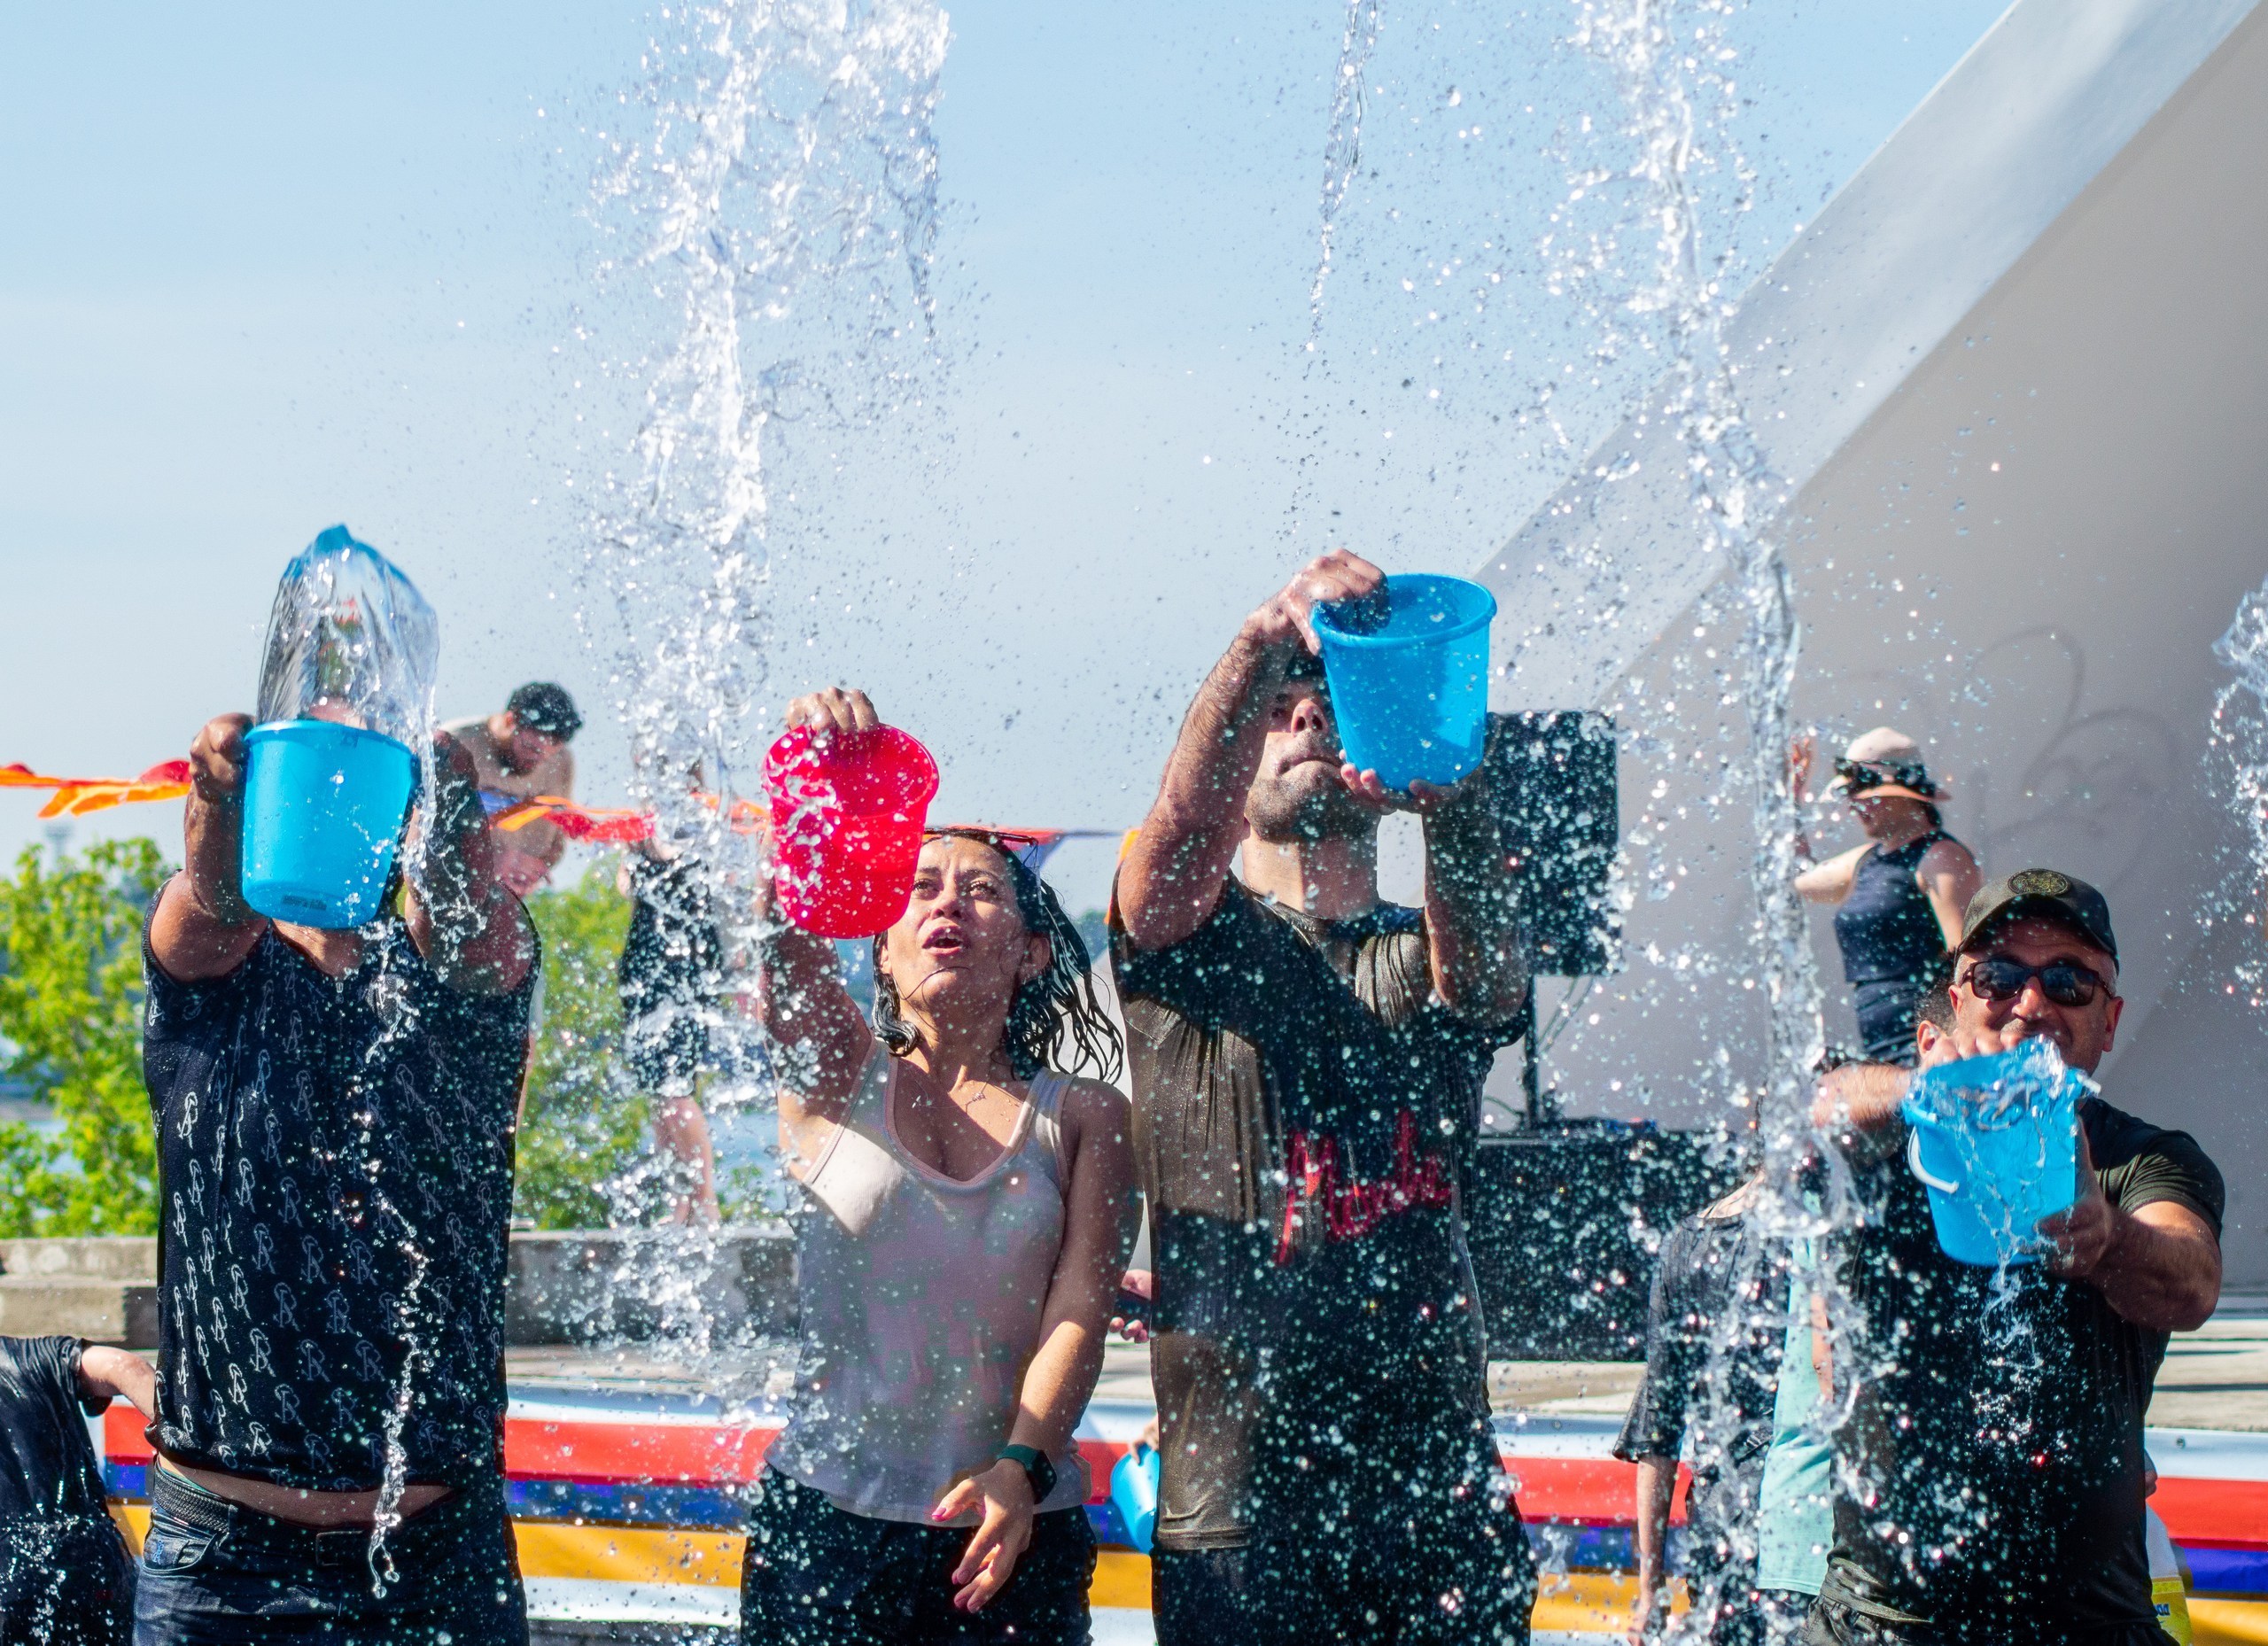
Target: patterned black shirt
[{"x": 335, "y": 1157}]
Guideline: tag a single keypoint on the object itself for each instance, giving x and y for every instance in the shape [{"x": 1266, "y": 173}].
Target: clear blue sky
[{"x": 270, "y": 267}]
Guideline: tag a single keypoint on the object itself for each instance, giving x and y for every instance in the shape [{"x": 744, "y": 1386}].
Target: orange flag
[{"x": 75, "y": 796}]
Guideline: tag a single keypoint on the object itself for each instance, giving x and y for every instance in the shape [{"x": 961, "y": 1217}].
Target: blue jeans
[{"x": 214, "y": 1574}]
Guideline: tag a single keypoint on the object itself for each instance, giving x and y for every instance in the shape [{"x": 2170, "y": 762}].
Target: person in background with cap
[
  {"x": 1898, "y": 896},
  {"x": 1990, "y": 1477},
  {"x": 520, "y": 754}
]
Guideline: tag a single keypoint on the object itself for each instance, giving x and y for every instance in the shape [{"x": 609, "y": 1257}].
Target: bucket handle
[{"x": 1914, "y": 1163}]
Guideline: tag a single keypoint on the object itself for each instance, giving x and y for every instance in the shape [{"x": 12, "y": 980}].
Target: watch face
[{"x": 1042, "y": 1479}]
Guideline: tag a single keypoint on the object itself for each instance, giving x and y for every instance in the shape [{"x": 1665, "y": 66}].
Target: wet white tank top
[{"x": 921, "y": 1298}]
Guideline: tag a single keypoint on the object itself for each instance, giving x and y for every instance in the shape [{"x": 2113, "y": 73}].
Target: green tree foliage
[
  {"x": 584, "y": 1126},
  {"x": 71, "y": 1036}
]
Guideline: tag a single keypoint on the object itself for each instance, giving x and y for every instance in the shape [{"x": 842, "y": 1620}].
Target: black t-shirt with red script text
[{"x": 1305, "y": 1109}]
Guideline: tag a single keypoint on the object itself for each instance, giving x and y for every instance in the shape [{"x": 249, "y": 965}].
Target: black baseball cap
[
  {"x": 542, "y": 707},
  {"x": 2049, "y": 893}
]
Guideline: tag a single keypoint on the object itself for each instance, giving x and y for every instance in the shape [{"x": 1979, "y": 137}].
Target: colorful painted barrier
[{"x": 628, "y": 1509}]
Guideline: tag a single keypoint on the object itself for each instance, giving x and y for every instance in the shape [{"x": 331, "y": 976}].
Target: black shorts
[
  {"x": 816, "y": 1575},
  {"x": 1427, "y": 1559}
]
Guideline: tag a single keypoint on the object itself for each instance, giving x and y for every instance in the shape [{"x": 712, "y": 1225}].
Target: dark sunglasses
[
  {"x": 2063, "y": 982},
  {"x": 1858, "y": 778}
]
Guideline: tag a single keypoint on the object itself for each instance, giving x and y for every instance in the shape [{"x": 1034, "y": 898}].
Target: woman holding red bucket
[{"x": 968, "y": 1210}]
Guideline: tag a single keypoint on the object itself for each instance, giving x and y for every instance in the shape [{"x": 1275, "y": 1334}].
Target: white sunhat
[{"x": 1885, "y": 761}]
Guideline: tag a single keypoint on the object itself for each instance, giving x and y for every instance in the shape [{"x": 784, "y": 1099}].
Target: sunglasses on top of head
[
  {"x": 2064, "y": 983},
  {"x": 1858, "y": 778}
]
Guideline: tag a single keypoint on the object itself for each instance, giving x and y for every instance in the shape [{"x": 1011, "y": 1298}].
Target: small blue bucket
[
  {"x": 1409, "y": 673},
  {"x": 323, "y": 808},
  {"x": 1995, "y": 1141},
  {"x": 1134, "y": 1493}
]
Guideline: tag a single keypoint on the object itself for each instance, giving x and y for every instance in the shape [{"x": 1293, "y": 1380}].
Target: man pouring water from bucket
[
  {"x": 1308, "y": 1064},
  {"x": 1991, "y": 1476},
  {"x": 334, "y": 1043}
]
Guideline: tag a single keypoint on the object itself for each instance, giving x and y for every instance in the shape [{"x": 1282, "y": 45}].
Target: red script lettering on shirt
[{"x": 1351, "y": 1207}]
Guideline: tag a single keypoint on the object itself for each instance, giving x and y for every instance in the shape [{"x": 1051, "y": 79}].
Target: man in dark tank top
[
  {"x": 335, "y": 1112},
  {"x": 1307, "y": 1063}
]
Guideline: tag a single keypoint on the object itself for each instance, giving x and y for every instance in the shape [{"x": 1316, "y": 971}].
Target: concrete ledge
[
  {"x": 590, "y": 1285},
  {"x": 576, "y": 1286},
  {"x": 93, "y": 1257},
  {"x": 121, "y": 1312}
]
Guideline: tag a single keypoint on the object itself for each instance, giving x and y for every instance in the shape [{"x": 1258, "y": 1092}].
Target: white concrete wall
[{"x": 2023, "y": 557}]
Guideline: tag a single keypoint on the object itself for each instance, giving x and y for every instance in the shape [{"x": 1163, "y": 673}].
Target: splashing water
[
  {"x": 2240, "y": 730},
  {"x": 1666, "y": 294},
  {"x": 784, "y": 209},
  {"x": 1342, "y": 150},
  {"x": 777, "y": 222}
]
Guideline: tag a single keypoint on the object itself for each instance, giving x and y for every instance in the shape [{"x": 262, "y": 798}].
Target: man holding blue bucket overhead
[
  {"x": 334, "y": 1059},
  {"x": 1307, "y": 1062},
  {"x": 1991, "y": 1476}
]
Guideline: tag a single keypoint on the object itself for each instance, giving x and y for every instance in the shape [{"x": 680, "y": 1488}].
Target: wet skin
[{"x": 955, "y": 958}]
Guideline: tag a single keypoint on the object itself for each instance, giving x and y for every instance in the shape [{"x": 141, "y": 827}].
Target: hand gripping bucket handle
[{"x": 1921, "y": 1173}]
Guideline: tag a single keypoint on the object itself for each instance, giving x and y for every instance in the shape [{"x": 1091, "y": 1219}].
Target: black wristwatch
[{"x": 1037, "y": 1469}]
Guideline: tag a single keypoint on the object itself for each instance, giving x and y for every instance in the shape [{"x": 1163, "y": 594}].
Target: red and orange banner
[
  {"x": 75, "y": 796},
  {"x": 595, "y": 825}
]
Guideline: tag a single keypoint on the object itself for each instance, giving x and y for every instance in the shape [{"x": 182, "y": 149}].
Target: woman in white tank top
[{"x": 966, "y": 1215}]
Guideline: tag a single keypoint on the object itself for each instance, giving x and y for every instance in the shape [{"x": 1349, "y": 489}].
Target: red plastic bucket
[{"x": 846, "y": 811}]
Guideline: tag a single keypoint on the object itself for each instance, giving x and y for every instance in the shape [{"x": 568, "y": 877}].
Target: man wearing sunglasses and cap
[{"x": 1991, "y": 1472}]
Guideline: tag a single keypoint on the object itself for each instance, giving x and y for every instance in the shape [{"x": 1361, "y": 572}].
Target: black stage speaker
[
  {"x": 1558, "y": 817},
  {"x": 1565, "y": 1220}
]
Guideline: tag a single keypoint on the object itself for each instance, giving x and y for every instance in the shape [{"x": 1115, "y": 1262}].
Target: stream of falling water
[
  {"x": 1672, "y": 64},
  {"x": 781, "y": 212},
  {"x": 2240, "y": 732},
  {"x": 1342, "y": 148}
]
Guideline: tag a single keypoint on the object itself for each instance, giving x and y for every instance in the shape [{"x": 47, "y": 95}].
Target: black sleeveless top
[
  {"x": 1886, "y": 928},
  {"x": 336, "y": 1160}
]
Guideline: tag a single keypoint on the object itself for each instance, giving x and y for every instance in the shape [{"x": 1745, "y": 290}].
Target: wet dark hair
[
  {"x": 542, "y": 707},
  {"x": 1059, "y": 1004}
]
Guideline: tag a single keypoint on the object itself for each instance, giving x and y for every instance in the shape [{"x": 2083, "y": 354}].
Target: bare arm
[
  {"x": 203, "y": 929},
  {"x": 1831, "y": 881},
  {"x": 1948, "y": 876},
  {"x": 1099, "y": 1223},
  {"x": 106, "y": 1373},
  {"x": 555, "y": 776},
  {"x": 1478, "y": 968},
  {"x": 1859, "y": 1099},
  {"x": 1656, "y": 1485},
  {"x": 2158, "y": 1265},
  {"x": 465, "y": 921},
  {"x": 1172, "y": 875},
  {"x": 800, "y": 997}
]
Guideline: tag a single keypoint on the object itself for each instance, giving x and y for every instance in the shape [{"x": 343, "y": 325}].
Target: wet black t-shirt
[
  {"x": 60, "y": 1551},
  {"x": 1997, "y": 1425},
  {"x": 336, "y": 1161},
  {"x": 48, "y": 1467},
  {"x": 1305, "y": 1111}
]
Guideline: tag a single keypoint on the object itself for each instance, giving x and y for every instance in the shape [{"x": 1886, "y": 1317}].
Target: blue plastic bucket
[
  {"x": 1996, "y": 1142},
  {"x": 323, "y": 808},
  {"x": 1134, "y": 1493},
  {"x": 1409, "y": 677}
]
